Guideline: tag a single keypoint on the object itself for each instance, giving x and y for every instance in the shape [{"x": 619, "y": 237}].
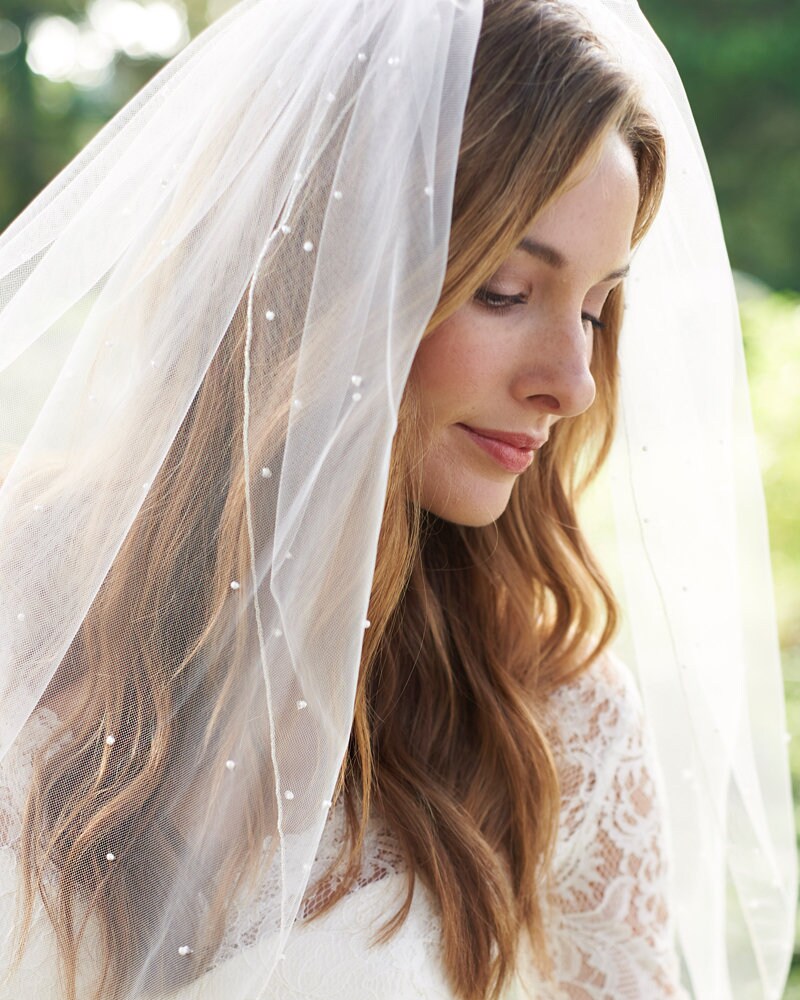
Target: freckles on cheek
[{"x": 450, "y": 363}]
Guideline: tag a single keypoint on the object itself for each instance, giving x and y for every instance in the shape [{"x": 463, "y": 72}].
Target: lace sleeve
[{"x": 613, "y": 937}]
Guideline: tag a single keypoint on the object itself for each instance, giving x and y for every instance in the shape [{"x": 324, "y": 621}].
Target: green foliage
[
  {"x": 737, "y": 58},
  {"x": 771, "y": 326},
  {"x": 738, "y": 62}
]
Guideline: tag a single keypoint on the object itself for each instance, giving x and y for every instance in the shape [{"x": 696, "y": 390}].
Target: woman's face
[{"x": 515, "y": 359}]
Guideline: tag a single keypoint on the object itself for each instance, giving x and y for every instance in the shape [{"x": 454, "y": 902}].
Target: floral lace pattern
[{"x": 611, "y": 933}]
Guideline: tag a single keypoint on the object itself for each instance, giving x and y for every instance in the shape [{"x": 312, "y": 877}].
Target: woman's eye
[
  {"x": 593, "y": 321},
  {"x": 497, "y": 302}
]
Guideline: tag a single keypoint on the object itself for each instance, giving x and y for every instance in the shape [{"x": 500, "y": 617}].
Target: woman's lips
[{"x": 510, "y": 456}]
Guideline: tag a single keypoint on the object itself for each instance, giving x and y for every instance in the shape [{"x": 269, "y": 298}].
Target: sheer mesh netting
[{"x": 609, "y": 920}]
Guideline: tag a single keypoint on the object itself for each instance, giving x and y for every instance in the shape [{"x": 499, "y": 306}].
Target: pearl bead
[
  {"x": 277, "y": 633},
  {"x": 288, "y": 794},
  {"x": 337, "y": 195},
  {"x": 306, "y": 866},
  {"x": 356, "y": 396},
  {"x": 330, "y": 97},
  {"x": 362, "y": 57},
  {"x": 308, "y": 246},
  {"x": 38, "y": 506},
  {"x": 326, "y": 803},
  {"x": 145, "y": 486},
  {"x": 356, "y": 380},
  {"x": 297, "y": 404},
  {"x": 270, "y": 315},
  {"x": 286, "y": 229},
  {"x": 428, "y": 190},
  {"x": 21, "y": 616},
  {"x": 230, "y": 764},
  {"x": 301, "y": 704},
  {"x": 367, "y": 623},
  {"x": 111, "y": 740},
  {"x": 111, "y": 856},
  {"x": 234, "y": 584},
  {"x": 184, "y": 950},
  {"x": 289, "y": 555},
  {"x": 266, "y": 472}
]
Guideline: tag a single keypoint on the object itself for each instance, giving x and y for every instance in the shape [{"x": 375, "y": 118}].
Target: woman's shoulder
[
  {"x": 600, "y": 705},
  {"x": 596, "y": 727}
]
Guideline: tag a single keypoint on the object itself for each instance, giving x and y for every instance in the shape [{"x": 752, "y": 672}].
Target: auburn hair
[{"x": 471, "y": 628}]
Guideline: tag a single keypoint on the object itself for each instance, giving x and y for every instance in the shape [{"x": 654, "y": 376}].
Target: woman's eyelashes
[
  {"x": 499, "y": 303},
  {"x": 595, "y": 323}
]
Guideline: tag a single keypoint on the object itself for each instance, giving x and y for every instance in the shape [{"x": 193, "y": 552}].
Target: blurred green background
[{"x": 66, "y": 66}]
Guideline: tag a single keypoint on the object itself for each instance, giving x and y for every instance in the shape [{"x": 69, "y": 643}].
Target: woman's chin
[{"x": 472, "y": 508}]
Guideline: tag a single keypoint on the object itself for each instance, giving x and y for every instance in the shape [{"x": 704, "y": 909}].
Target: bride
[{"x": 308, "y": 678}]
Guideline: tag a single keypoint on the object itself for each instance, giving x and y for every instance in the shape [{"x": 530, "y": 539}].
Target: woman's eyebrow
[{"x": 557, "y": 260}]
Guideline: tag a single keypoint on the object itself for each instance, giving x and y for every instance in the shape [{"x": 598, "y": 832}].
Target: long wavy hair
[{"x": 472, "y": 628}]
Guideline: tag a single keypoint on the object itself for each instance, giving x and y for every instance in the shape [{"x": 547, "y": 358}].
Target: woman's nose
[{"x": 555, "y": 373}]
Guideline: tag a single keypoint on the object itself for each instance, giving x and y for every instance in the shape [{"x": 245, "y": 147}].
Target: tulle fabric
[{"x": 289, "y": 176}]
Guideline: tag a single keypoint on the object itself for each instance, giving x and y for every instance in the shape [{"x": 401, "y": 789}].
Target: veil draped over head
[{"x": 256, "y": 244}]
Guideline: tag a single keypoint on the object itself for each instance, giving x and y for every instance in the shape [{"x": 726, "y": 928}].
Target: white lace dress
[{"x": 610, "y": 925}]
